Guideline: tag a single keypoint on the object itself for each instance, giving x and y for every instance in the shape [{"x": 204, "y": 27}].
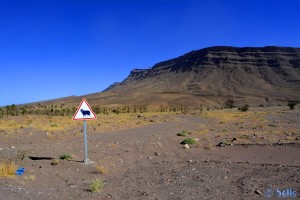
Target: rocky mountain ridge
[
  {"x": 222, "y": 72},
  {"x": 210, "y": 76}
]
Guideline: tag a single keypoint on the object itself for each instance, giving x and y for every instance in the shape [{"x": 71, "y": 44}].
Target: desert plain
[{"x": 236, "y": 155}]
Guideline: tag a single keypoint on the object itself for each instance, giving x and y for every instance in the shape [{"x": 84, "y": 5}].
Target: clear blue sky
[{"x": 57, "y": 48}]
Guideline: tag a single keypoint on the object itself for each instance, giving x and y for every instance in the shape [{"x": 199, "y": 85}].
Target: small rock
[
  {"x": 144, "y": 193},
  {"x": 12, "y": 147},
  {"x": 109, "y": 195},
  {"x": 225, "y": 177},
  {"x": 72, "y": 185},
  {"x": 297, "y": 138},
  {"x": 234, "y": 139},
  {"x": 190, "y": 161},
  {"x": 221, "y": 144},
  {"x": 186, "y": 146},
  {"x": 157, "y": 154},
  {"x": 258, "y": 192},
  {"x": 1, "y": 149}
]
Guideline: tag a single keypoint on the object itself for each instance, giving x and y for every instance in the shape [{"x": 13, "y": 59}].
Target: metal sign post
[
  {"x": 86, "y": 159},
  {"x": 85, "y": 112}
]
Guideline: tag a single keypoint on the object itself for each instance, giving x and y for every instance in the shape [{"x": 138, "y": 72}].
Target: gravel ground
[{"x": 149, "y": 162}]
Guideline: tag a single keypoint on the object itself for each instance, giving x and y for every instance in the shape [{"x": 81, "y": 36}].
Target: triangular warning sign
[{"x": 84, "y": 112}]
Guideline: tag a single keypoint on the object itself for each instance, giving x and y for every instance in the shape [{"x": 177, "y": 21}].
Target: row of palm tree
[{"x": 63, "y": 110}]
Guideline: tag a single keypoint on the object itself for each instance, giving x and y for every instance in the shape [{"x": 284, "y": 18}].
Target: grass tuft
[
  {"x": 66, "y": 157},
  {"x": 183, "y": 133},
  {"x": 96, "y": 185},
  {"x": 101, "y": 169},
  {"x": 189, "y": 141},
  {"x": 7, "y": 169}
]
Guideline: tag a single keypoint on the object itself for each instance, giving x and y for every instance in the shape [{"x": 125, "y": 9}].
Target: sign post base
[{"x": 88, "y": 162}]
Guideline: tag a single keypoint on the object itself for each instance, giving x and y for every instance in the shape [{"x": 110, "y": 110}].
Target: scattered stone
[
  {"x": 144, "y": 193},
  {"x": 258, "y": 192},
  {"x": 157, "y": 154},
  {"x": 190, "y": 161},
  {"x": 12, "y": 147},
  {"x": 234, "y": 139},
  {"x": 225, "y": 177},
  {"x": 206, "y": 160},
  {"x": 297, "y": 138},
  {"x": 221, "y": 144},
  {"x": 186, "y": 146},
  {"x": 109, "y": 195},
  {"x": 72, "y": 185}
]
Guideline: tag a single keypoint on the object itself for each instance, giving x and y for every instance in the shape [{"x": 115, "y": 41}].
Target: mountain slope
[
  {"x": 209, "y": 76},
  {"x": 212, "y": 75}
]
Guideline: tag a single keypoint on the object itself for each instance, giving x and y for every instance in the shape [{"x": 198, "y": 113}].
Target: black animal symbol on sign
[{"x": 85, "y": 112}]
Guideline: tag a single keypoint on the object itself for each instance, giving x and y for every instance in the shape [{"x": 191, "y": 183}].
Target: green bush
[
  {"x": 229, "y": 103},
  {"x": 66, "y": 157},
  {"x": 183, "y": 133},
  {"x": 244, "y": 108},
  {"x": 292, "y": 105},
  {"x": 96, "y": 185},
  {"x": 189, "y": 141}
]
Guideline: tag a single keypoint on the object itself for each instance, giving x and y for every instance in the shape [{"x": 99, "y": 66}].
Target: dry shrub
[
  {"x": 7, "y": 169},
  {"x": 101, "y": 169}
]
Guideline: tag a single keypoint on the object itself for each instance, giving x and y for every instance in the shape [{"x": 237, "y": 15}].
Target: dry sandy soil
[{"x": 260, "y": 156}]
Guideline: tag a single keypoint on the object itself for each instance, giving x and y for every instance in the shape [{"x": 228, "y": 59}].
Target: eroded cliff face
[
  {"x": 221, "y": 72},
  {"x": 284, "y": 61}
]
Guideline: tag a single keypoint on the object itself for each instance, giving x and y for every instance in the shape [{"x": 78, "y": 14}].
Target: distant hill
[{"x": 210, "y": 76}]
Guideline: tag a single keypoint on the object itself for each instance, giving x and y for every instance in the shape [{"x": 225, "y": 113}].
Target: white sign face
[{"x": 84, "y": 112}]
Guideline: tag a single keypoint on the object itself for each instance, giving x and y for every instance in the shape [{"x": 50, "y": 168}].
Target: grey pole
[{"x": 86, "y": 160}]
